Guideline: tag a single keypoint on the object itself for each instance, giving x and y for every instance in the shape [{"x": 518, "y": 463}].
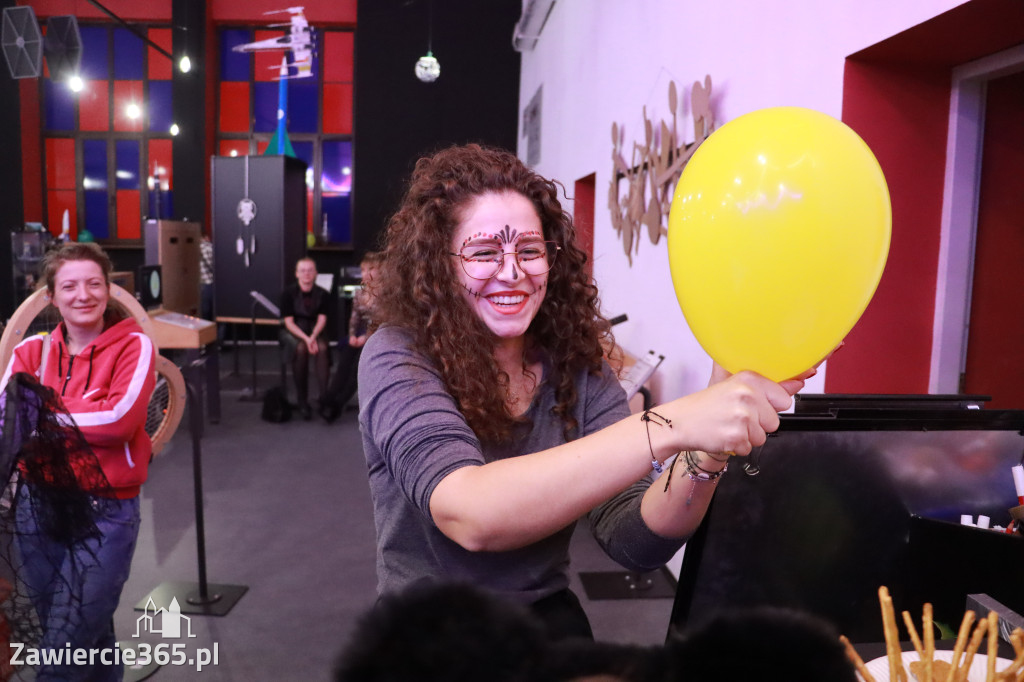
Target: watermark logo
[{"x": 170, "y": 625}]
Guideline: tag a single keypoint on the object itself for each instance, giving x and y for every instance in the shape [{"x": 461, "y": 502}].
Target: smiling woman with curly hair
[
  {"x": 568, "y": 325},
  {"x": 491, "y": 421}
]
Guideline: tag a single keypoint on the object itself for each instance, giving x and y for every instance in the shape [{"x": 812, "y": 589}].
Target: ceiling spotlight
[
  {"x": 175, "y": 129},
  {"x": 76, "y": 83},
  {"x": 185, "y": 64},
  {"x": 133, "y": 111},
  {"x": 428, "y": 68}
]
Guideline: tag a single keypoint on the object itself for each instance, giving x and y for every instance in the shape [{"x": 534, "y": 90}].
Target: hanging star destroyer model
[{"x": 298, "y": 40}]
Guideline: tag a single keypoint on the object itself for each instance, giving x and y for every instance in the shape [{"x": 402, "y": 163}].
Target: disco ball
[{"x": 428, "y": 68}]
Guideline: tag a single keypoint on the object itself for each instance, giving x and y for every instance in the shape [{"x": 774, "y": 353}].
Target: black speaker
[
  {"x": 62, "y": 47},
  {"x": 22, "y": 42},
  {"x": 150, "y": 286},
  {"x": 259, "y": 229}
]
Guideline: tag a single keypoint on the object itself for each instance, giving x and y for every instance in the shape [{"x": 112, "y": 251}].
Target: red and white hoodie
[{"x": 106, "y": 389}]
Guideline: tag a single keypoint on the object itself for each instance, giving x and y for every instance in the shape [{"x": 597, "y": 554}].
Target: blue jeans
[{"x": 75, "y": 590}]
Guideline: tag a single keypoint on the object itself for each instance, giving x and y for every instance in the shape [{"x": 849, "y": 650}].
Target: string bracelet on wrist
[
  {"x": 668, "y": 479},
  {"x": 647, "y": 417},
  {"x": 698, "y": 474},
  {"x": 693, "y": 464}
]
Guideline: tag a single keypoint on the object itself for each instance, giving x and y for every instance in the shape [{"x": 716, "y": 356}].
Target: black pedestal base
[
  {"x": 658, "y": 584},
  {"x": 218, "y": 602}
]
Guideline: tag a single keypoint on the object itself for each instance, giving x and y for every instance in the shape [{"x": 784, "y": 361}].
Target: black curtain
[
  {"x": 12, "y": 214},
  {"x": 397, "y": 118},
  {"x": 188, "y": 92}
]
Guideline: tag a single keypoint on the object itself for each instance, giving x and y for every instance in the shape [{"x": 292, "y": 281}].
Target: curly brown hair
[{"x": 417, "y": 287}]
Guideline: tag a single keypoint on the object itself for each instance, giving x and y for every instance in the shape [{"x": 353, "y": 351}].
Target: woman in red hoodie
[{"x": 101, "y": 366}]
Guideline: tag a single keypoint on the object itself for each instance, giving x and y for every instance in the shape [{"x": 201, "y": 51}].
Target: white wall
[{"x": 602, "y": 61}]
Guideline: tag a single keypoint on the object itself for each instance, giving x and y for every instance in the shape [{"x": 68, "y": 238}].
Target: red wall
[
  {"x": 31, "y": 151},
  {"x": 996, "y": 335},
  {"x": 901, "y": 112},
  {"x": 148, "y": 10},
  {"x": 332, "y": 13},
  {"x": 583, "y": 217},
  {"x": 896, "y": 96}
]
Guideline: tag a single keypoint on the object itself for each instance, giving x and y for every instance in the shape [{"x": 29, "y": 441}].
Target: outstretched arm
[
  {"x": 513, "y": 502},
  {"x": 428, "y": 449}
]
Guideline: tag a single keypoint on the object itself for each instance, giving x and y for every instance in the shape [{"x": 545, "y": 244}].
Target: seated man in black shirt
[{"x": 304, "y": 314}]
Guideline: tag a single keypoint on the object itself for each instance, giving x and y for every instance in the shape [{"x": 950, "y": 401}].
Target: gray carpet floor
[{"x": 287, "y": 515}]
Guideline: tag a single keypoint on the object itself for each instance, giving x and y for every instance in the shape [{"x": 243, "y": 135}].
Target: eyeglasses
[{"x": 484, "y": 261}]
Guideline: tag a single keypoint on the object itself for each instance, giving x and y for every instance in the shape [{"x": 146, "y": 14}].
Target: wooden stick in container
[
  {"x": 993, "y": 646},
  {"x": 892, "y": 637},
  {"x": 929, "y": 642},
  {"x": 857, "y": 661},
  {"x": 914, "y": 638},
  {"x": 1013, "y": 671},
  {"x": 972, "y": 648},
  {"x": 961, "y": 642}
]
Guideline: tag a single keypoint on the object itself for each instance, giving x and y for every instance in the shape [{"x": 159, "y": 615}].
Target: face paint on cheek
[{"x": 475, "y": 294}]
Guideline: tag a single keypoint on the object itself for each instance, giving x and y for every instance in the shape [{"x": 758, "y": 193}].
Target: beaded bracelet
[{"x": 646, "y": 417}]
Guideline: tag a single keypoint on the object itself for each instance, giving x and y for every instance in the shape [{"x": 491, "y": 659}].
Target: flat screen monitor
[
  {"x": 856, "y": 493},
  {"x": 150, "y": 286}
]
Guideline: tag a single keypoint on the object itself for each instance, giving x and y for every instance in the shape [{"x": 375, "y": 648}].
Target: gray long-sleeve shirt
[{"x": 414, "y": 436}]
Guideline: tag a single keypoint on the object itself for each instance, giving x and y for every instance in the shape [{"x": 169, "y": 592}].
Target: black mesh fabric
[{"x": 40, "y": 445}]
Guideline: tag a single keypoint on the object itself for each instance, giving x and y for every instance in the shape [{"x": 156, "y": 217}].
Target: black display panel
[
  {"x": 259, "y": 229},
  {"x": 855, "y": 492},
  {"x": 149, "y": 285}
]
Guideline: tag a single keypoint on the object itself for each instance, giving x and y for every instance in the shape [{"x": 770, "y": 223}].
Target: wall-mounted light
[
  {"x": 185, "y": 64},
  {"x": 133, "y": 111},
  {"x": 76, "y": 84},
  {"x": 175, "y": 129}
]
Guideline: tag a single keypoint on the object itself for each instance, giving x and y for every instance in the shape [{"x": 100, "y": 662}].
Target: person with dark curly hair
[{"x": 491, "y": 420}]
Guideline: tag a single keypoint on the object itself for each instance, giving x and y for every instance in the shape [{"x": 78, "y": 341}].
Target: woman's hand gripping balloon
[
  {"x": 736, "y": 412},
  {"x": 791, "y": 387}
]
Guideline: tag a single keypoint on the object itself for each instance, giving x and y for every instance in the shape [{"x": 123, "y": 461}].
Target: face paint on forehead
[{"x": 506, "y": 235}]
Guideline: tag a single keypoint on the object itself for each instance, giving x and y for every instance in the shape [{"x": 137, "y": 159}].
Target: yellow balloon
[{"x": 778, "y": 235}]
